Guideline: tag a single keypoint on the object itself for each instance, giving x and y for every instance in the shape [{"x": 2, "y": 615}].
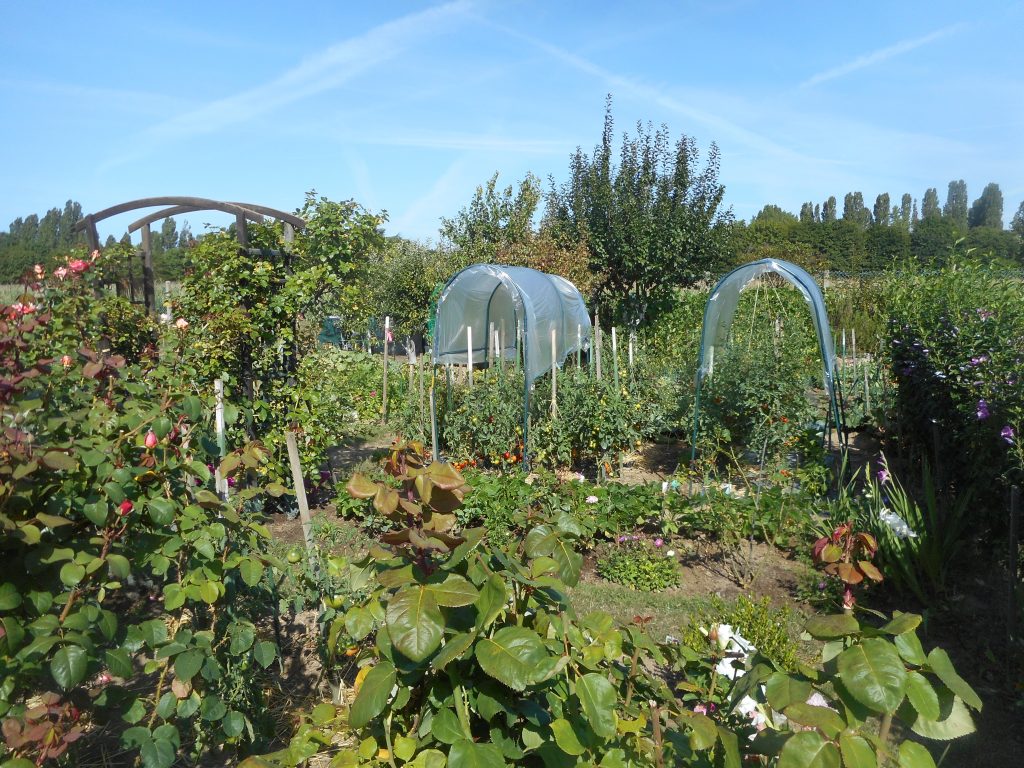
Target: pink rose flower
[
  {"x": 151, "y": 439},
  {"x": 60, "y": 273}
]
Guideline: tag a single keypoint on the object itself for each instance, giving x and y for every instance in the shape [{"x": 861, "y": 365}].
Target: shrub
[
  {"x": 106, "y": 486},
  {"x": 767, "y": 628},
  {"x": 634, "y": 562}
]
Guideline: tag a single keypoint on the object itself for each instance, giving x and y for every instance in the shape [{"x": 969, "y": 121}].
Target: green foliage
[
  {"x": 106, "y": 485},
  {"x": 919, "y": 545},
  {"x": 766, "y": 627},
  {"x": 954, "y": 344},
  {"x": 635, "y": 562},
  {"x": 651, "y": 222}
]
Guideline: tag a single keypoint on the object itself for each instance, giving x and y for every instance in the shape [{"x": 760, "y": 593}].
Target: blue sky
[{"x": 408, "y": 106}]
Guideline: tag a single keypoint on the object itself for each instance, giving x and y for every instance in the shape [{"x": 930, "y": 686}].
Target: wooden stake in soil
[
  {"x": 579, "y": 344},
  {"x": 384, "y": 388},
  {"x": 1012, "y": 607},
  {"x": 220, "y": 483},
  {"x": 419, "y": 363},
  {"x": 469, "y": 356},
  {"x": 615, "y": 360},
  {"x": 300, "y": 488},
  {"x": 597, "y": 360},
  {"x": 554, "y": 375},
  {"x": 632, "y": 341}
]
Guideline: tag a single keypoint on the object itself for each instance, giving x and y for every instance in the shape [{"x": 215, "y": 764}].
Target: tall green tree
[
  {"x": 987, "y": 210},
  {"x": 652, "y": 222},
  {"x": 956, "y": 204},
  {"x": 828, "y": 211},
  {"x": 1017, "y": 223},
  {"x": 881, "y": 213},
  {"x": 930, "y": 204},
  {"x": 906, "y": 204},
  {"x": 495, "y": 222},
  {"x": 855, "y": 211}
]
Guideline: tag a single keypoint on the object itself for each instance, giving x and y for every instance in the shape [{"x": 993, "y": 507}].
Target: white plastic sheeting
[
  {"x": 483, "y": 294},
  {"x": 721, "y": 308}
]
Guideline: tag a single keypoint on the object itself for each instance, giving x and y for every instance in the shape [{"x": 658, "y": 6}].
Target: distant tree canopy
[
  {"x": 33, "y": 240},
  {"x": 865, "y": 239}
]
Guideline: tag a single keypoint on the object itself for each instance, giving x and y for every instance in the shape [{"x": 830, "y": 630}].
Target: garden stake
[
  {"x": 597, "y": 330},
  {"x": 433, "y": 424},
  {"x": 632, "y": 340},
  {"x": 469, "y": 356},
  {"x": 384, "y": 403},
  {"x": 300, "y": 489},
  {"x": 615, "y": 360},
  {"x": 498, "y": 341},
  {"x": 867, "y": 393},
  {"x": 1011, "y": 614},
  {"x": 491, "y": 343},
  {"x": 497, "y": 353},
  {"x": 220, "y": 483},
  {"x": 419, "y": 365},
  {"x": 579, "y": 345},
  {"x": 554, "y": 375}
]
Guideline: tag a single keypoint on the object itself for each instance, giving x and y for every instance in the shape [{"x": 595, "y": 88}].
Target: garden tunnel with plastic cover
[
  {"x": 522, "y": 306},
  {"x": 721, "y": 309}
]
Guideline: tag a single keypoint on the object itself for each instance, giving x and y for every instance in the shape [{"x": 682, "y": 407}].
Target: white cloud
[
  {"x": 325, "y": 71},
  {"x": 876, "y": 57}
]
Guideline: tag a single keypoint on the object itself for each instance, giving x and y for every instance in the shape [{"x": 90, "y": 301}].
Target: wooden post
[
  {"x": 519, "y": 341},
  {"x": 1012, "y": 608},
  {"x": 597, "y": 358},
  {"x": 867, "y": 393},
  {"x": 410, "y": 349},
  {"x": 433, "y": 424},
  {"x": 498, "y": 352},
  {"x": 554, "y": 375},
  {"x": 419, "y": 363},
  {"x": 148, "y": 290},
  {"x": 490, "y": 343},
  {"x": 579, "y": 344},
  {"x": 615, "y": 360},
  {"x": 469, "y": 356},
  {"x": 384, "y": 388},
  {"x": 300, "y": 488},
  {"x": 220, "y": 483},
  {"x": 632, "y": 341}
]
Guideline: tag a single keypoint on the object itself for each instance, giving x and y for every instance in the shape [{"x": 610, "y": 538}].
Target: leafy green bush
[
  {"x": 635, "y": 562},
  {"x": 107, "y": 487},
  {"x": 767, "y": 628},
  {"x": 955, "y": 341}
]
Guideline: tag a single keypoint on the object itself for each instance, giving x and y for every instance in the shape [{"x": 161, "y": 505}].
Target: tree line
[
  {"x": 35, "y": 239},
  {"x": 867, "y": 239}
]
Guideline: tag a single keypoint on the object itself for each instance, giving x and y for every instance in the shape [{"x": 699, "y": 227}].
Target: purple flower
[
  {"x": 976, "y": 361},
  {"x": 621, "y": 539},
  {"x": 1007, "y": 434},
  {"x": 658, "y": 542},
  {"x": 982, "y": 411},
  {"x": 883, "y": 476}
]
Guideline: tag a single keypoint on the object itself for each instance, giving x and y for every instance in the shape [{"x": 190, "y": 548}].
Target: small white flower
[
  {"x": 591, "y": 499},
  {"x": 670, "y": 553}
]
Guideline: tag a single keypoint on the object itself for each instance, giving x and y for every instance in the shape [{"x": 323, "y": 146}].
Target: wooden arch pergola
[{"x": 243, "y": 212}]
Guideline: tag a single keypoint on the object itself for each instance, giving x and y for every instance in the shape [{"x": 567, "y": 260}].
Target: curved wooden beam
[
  {"x": 296, "y": 221},
  {"x": 195, "y": 203},
  {"x": 147, "y": 202},
  {"x": 177, "y": 210}
]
